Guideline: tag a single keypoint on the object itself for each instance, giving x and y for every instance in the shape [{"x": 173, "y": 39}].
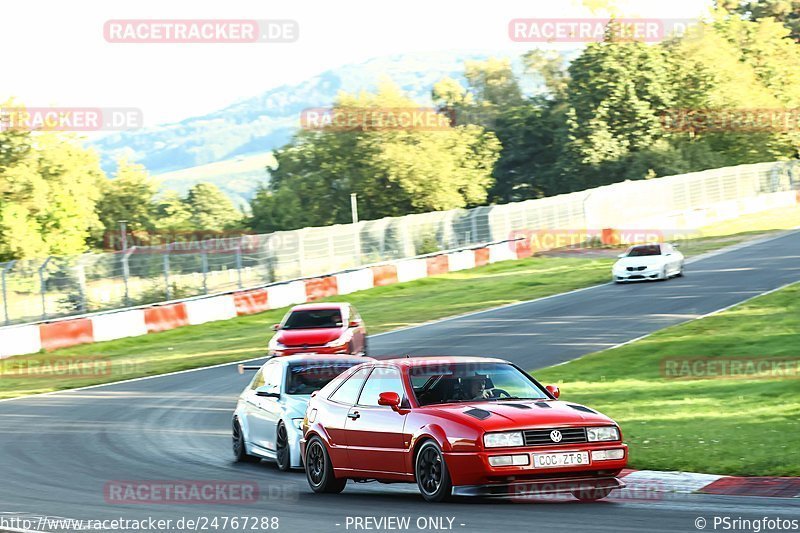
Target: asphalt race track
[{"x": 59, "y": 451}]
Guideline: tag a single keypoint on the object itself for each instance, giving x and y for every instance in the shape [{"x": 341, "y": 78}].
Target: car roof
[
  {"x": 319, "y": 306},
  {"x": 440, "y": 360},
  {"x": 314, "y": 357}
]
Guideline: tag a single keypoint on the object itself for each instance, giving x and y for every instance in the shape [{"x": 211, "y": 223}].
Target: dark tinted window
[
  {"x": 465, "y": 382},
  {"x": 319, "y": 318},
  {"x": 347, "y": 393},
  {"x": 382, "y": 379},
  {"x": 305, "y": 378},
  {"x": 641, "y": 251}
]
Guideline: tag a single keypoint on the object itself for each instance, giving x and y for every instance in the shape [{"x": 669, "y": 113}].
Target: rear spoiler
[{"x": 242, "y": 368}]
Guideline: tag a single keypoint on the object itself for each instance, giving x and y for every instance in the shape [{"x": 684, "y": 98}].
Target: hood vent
[
  {"x": 480, "y": 414},
  {"x": 518, "y": 405},
  {"x": 544, "y": 404},
  {"x": 582, "y": 408}
]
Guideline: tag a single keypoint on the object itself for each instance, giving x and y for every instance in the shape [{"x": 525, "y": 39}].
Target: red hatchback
[
  {"x": 458, "y": 426},
  {"x": 326, "y": 328}
]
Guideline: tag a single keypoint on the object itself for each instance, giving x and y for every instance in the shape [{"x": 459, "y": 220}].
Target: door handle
[{"x": 354, "y": 415}]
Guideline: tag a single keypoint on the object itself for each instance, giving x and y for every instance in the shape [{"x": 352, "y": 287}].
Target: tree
[
  {"x": 394, "y": 171},
  {"x": 49, "y": 187},
  {"x": 129, "y": 196},
  {"x": 210, "y": 209},
  {"x": 172, "y": 213}
]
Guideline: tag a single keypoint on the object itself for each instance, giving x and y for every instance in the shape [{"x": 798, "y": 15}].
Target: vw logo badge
[{"x": 555, "y": 435}]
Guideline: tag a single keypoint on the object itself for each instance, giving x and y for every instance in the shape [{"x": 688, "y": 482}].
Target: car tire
[
  {"x": 591, "y": 495},
  {"x": 430, "y": 471},
  {"x": 663, "y": 276},
  {"x": 364, "y": 349},
  {"x": 680, "y": 272},
  {"x": 240, "y": 454},
  {"x": 283, "y": 453},
  {"x": 319, "y": 469}
]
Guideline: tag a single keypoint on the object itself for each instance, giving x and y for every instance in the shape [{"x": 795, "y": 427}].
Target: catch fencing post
[
  {"x": 166, "y": 273},
  {"x": 81, "y": 275},
  {"x": 6, "y": 268},
  {"x": 126, "y": 273},
  {"x": 239, "y": 264},
  {"x": 42, "y": 288},
  {"x": 204, "y": 266}
]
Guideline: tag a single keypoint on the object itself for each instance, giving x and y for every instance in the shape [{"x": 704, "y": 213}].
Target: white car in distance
[
  {"x": 658, "y": 261},
  {"x": 268, "y": 420}
]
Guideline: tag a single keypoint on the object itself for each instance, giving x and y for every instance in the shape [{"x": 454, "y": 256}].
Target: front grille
[
  {"x": 631, "y": 269},
  {"x": 541, "y": 437}
]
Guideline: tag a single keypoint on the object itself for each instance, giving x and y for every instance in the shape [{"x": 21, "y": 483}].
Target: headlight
[
  {"x": 341, "y": 341},
  {"x": 602, "y": 434},
  {"x": 502, "y": 440},
  {"x": 297, "y": 423}
]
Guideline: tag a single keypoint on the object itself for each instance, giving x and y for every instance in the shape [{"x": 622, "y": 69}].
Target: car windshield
[
  {"x": 641, "y": 251},
  {"x": 317, "y": 318},
  {"x": 471, "y": 382},
  {"x": 305, "y": 378}
]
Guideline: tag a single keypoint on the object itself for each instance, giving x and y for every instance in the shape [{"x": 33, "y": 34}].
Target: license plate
[{"x": 553, "y": 460}]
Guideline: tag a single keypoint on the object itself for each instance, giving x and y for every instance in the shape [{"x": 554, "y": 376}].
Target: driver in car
[{"x": 475, "y": 388}]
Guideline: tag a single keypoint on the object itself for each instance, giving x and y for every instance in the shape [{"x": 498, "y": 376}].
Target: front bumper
[
  {"x": 544, "y": 486},
  {"x": 473, "y": 468},
  {"x": 636, "y": 275}
]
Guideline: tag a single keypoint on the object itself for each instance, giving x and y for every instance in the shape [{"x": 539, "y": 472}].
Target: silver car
[{"x": 269, "y": 415}]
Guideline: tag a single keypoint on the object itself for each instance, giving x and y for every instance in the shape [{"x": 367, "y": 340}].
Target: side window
[
  {"x": 347, "y": 393},
  {"x": 382, "y": 379},
  {"x": 258, "y": 380},
  {"x": 272, "y": 376}
]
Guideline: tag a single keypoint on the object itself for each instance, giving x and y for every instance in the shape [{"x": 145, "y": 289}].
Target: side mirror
[
  {"x": 552, "y": 389},
  {"x": 267, "y": 392},
  {"x": 276, "y": 327},
  {"x": 620, "y": 256},
  {"x": 389, "y": 399},
  {"x": 676, "y": 245},
  {"x": 354, "y": 323}
]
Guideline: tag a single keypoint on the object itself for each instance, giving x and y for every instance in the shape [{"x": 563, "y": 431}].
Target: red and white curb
[{"x": 653, "y": 481}]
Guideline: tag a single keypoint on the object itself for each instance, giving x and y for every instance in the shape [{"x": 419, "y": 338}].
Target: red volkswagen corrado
[{"x": 457, "y": 426}]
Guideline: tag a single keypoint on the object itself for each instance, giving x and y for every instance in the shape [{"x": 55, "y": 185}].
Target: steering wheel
[{"x": 497, "y": 393}]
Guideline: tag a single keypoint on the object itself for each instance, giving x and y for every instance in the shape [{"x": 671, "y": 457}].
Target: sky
[{"x": 55, "y": 53}]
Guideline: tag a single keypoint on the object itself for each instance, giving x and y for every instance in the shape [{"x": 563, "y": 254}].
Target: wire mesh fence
[{"x": 40, "y": 289}]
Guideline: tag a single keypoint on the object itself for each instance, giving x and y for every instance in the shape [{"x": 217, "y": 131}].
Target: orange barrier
[
  {"x": 251, "y": 302},
  {"x": 438, "y": 264},
  {"x": 481, "y": 257},
  {"x": 164, "y": 317},
  {"x": 384, "y": 275},
  {"x": 66, "y": 333},
  {"x": 610, "y": 236},
  {"x": 321, "y": 287}
]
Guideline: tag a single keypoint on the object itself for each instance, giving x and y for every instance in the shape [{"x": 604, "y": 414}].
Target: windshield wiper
[{"x": 512, "y": 398}]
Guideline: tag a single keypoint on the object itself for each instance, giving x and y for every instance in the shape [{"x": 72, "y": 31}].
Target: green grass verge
[
  {"x": 724, "y": 426},
  {"x": 383, "y": 309}
]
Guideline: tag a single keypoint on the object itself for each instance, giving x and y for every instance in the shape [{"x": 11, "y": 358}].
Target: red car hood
[
  {"x": 504, "y": 416},
  {"x": 312, "y": 337}
]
